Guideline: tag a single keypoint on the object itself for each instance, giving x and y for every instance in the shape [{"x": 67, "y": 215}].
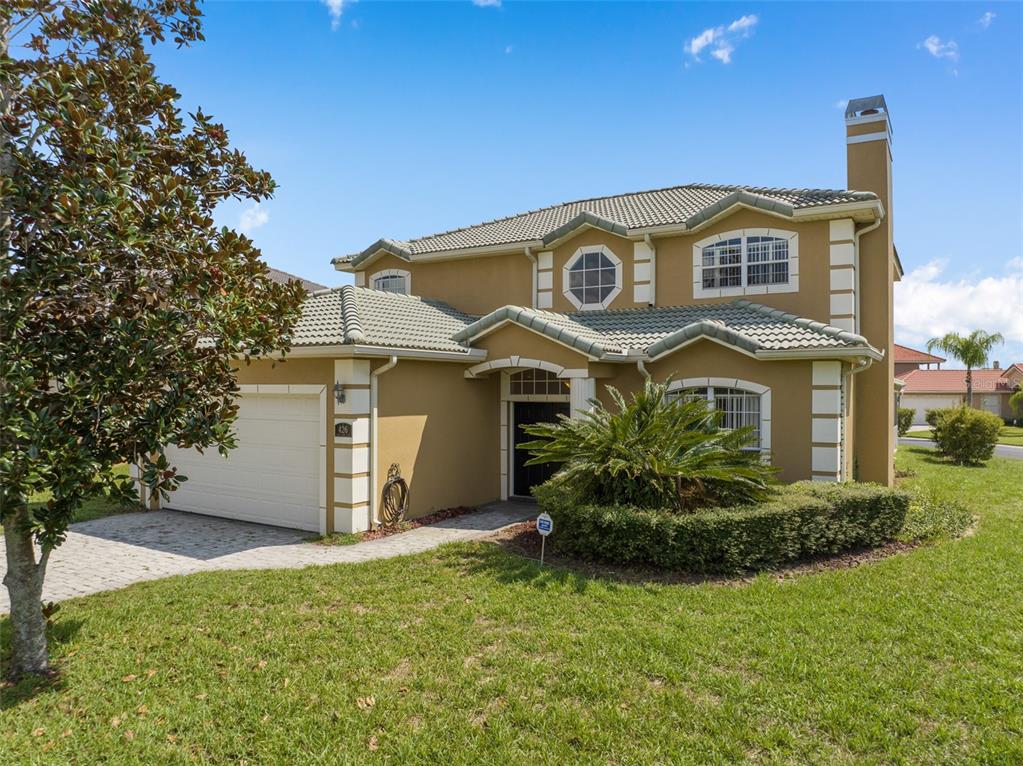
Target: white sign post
[{"x": 544, "y": 525}]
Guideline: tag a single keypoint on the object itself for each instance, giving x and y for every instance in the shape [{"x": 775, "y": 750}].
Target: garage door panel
[
  {"x": 923, "y": 402},
  {"x": 272, "y": 477},
  {"x": 287, "y": 461}
]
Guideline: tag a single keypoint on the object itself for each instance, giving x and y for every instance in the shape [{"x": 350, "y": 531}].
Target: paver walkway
[{"x": 110, "y": 553}]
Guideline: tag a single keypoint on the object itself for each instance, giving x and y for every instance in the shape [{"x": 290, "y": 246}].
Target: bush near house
[
  {"x": 965, "y": 435},
  {"x": 905, "y": 419},
  {"x": 801, "y": 520}
]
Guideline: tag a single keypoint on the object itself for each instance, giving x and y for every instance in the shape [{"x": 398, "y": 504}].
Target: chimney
[
  {"x": 868, "y": 144},
  {"x": 997, "y": 365},
  {"x": 868, "y": 138}
]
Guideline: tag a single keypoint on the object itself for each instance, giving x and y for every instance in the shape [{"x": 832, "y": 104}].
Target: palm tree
[
  {"x": 1016, "y": 400},
  {"x": 972, "y": 350}
]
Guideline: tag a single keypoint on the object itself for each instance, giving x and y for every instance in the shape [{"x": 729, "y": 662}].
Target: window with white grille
[
  {"x": 536, "y": 382},
  {"x": 738, "y": 408},
  {"x": 592, "y": 278},
  {"x": 749, "y": 261},
  {"x": 391, "y": 283}
]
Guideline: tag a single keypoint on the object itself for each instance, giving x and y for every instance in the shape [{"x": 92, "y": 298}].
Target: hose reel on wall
[{"x": 394, "y": 501}]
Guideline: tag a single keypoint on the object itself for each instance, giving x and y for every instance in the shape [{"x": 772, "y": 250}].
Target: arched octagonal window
[{"x": 592, "y": 278}]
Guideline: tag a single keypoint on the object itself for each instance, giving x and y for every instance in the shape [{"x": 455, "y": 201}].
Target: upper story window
[
  {"x": 392, "y": 281},
  {"x": 592, "y": 278},
  {"x": 746, "y": 262}
]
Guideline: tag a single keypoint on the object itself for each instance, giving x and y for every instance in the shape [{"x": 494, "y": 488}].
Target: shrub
[
  {"x": 906, "y": 415},
  {"x": 932, "y": 416},
  {"x": 934, "y": 518},
  {"x": 800, "y": 520},
  {"x": 652, "y": 452},
  {"x": 966, "y": 435}
]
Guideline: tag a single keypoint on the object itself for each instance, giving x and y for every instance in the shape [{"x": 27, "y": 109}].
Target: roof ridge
[
  {"x": 351, "y": 322},
  {"x": 835, "y": 332}
]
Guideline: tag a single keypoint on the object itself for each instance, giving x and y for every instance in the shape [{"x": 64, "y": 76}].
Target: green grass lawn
[
  {"x": 471, "y": 655},
  {"x": 93, "y": 508},
  {"x": 1012, "y": 435}
]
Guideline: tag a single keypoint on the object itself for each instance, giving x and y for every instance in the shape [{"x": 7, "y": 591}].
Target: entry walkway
[{"x": 110, "y": 553}]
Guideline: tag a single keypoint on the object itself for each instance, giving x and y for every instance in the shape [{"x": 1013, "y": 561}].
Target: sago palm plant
[{"x": 651, "y": 452}]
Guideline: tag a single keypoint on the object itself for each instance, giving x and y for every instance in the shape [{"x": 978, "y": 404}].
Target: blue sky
[{"x": 402, "y": 119}]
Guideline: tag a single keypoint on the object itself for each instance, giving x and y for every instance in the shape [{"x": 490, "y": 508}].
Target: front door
[{"x": 525, "y": 477}]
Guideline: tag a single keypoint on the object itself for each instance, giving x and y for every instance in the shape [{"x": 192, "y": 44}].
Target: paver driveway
[{"x": 116, "y": 551}]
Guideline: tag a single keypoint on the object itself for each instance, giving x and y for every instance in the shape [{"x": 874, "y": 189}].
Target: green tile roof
[{"x": 359, "y": 315}]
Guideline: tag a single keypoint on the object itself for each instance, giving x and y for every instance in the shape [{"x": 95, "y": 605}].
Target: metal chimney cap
[{"x": 871, "y": 104}]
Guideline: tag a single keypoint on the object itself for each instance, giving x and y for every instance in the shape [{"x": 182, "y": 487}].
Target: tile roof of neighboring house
[
  {"x": 954, "y": 381},
  {"x": 689, "y": 204},
  {"x": 913, "y": 356},
  {"x": 284, "y": 277},
  {"x": 359, "y": 315}
]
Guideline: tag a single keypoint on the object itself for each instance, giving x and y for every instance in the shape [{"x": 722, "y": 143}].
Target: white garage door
[
  {"x": 272, "y": 477},
  {"x": 923, "y": 402}
]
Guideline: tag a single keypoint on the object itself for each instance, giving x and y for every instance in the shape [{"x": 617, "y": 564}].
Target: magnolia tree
[{"x": 122, "y": 308}]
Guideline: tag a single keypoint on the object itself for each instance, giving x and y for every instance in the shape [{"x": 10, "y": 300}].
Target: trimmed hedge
[
  {"x": 965, "y": 435},
  {"x": 803, "y": 520},
  {"x": 905, "y": 419}
]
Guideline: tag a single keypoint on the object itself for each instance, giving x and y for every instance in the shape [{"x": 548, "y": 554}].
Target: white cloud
[
  {"x": 941, "y": 49},
  {"x": 487, "y": 3},
  {"x": 927, "y": 306},
  {"x": 842, "y": 103},
  {"x": 252, "y": 218},
  {"x": 985, "y": 20},
  {"x": 722, "y": 40},
  {"x": 335, "y": 8}
]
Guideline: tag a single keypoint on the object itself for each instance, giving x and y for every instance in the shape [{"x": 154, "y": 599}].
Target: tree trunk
[
  {"x": 24, "y": 581},
  {"x": 969, "y": 386}
]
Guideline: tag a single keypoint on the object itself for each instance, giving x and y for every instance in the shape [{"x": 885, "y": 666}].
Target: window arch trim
[
  {"x": 406, "y": 275},
  {"x": 566, "y": 290},
  {"x": 791, "y": 286}
]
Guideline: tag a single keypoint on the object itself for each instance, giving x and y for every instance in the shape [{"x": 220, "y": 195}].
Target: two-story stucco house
[{"x": 773, "y": 304}]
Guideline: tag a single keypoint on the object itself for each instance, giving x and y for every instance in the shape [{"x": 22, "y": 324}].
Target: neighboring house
[
  {"x": 907, "y": 359},
  {"x": 935, "y": 389},
  {"x": 284, "y": 277},
  {"x": 773, "y": 304}
]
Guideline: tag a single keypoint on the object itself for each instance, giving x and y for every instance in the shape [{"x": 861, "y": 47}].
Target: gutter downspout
[
  {"x": 532, "y": 259},
  {"x": 373, "y": 452},
  {"x": 653, "y": 269},
  {"x": 641, "y": 366},
  {"x": 857, "y": 233}
]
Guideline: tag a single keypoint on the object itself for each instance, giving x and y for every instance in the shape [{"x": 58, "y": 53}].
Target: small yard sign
[{"x": 544, "y": 525}]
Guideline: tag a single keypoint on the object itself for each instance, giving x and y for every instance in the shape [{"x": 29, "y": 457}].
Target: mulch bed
[
  {"x": 523, "y": 540},
  {"x": 422, "y": 521}
]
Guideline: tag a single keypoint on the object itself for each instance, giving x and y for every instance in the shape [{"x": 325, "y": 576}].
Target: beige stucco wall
[
  {"x": 514, "y": 340},
  {"x": 790, "y": 384},
  {"x": 444, "y": 432},
  {"x": 481, "y": 284},
  {"x": 472, "y": 285}
]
